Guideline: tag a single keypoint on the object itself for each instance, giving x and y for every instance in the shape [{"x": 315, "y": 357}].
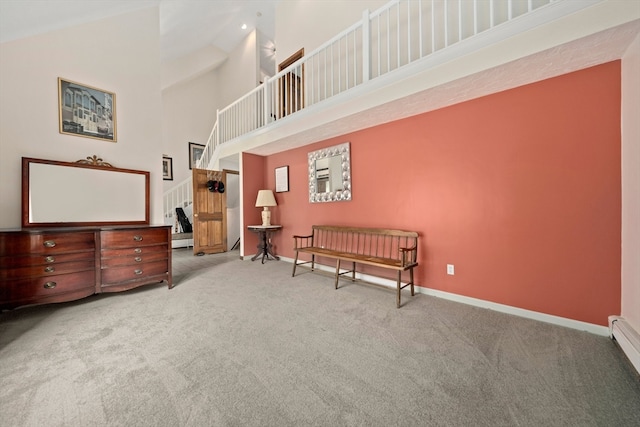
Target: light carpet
[{"x": 239, "y": 343}]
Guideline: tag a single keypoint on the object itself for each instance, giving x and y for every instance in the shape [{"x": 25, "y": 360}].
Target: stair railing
[
  {"x": 206, "y": 159},
  {"x": 180, "y": 195}
]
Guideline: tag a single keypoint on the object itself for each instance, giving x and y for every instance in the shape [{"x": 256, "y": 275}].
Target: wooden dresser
[
  {"x": 130, "y": 257},
  {"x": 45, "y": 265}
]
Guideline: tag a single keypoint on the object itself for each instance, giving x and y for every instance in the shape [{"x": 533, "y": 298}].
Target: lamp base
[{"x": 266, "y": 217}]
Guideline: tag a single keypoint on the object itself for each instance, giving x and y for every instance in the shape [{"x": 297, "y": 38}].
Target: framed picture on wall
[
  {"x": 167, "y": 168},
  {"x": 282, "y": 179},
  {"x": 86, "y": 111},
  {"x": 195, "y": 152}
]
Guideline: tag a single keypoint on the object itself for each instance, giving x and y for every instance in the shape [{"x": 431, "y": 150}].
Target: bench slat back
[{"x": 367, "y": 242}]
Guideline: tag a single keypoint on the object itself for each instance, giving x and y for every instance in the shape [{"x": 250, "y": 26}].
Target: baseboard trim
[
  {"x": 521, "y": 312},
  {"x": 628, "y": 339},
  {"x": 528, "y": 314}
]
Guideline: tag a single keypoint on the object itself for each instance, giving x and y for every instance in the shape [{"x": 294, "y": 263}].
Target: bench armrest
[
  {"x": 408, "y": 255},
  {"x": 302, "y": 241}
]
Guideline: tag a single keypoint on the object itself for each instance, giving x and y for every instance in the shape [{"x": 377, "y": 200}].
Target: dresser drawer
[
  {"x": 45, "y": 243},
  {"x": 29, "y": 288},
  {"x": 115, "y": 275},
  {"x": 47, "y": 270},
  {"x": 135, "y": 251},
  {"x": 30, "y": 260},
  {"x": 133, "y": 238},
  {"x": 134, "y": 259}
]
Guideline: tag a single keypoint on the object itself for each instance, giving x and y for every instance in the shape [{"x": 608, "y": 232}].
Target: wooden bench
[{"x": 392, "y": 249}]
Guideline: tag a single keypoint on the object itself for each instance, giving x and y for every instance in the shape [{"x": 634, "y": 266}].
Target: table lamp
[{"x": 264, "y": 200}]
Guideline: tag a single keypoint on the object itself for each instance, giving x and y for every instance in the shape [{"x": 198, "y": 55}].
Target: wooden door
[
  {"x": 290, "y": 86},
  {"x": 209, "y": 213}
]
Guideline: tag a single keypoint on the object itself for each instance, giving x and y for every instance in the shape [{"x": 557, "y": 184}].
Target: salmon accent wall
[
  {"x": 253, "y": 174},
  {"x": 520, "y": 190}
]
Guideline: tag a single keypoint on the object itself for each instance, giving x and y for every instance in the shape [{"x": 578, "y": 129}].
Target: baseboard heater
[{"x": 627, "y": 338}]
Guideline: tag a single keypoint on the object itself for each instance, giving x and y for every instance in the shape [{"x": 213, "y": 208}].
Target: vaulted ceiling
[{"x": 187, "y": 27}]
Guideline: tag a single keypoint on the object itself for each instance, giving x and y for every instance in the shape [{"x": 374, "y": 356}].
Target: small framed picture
[
  {"x": 86, "y": 111},
  {"x": 195, "y": 152},
  {"x": 167, "y": 168},
  {"x": 282, "y": 179}
]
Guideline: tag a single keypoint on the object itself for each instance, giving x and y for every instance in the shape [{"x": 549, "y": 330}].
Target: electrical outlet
[{"x": 450, "y": 269}]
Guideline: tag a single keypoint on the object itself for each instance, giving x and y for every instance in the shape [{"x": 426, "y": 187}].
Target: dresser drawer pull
[
  {"x": 137, "y": 251},
  {"x": 138, "y": 259},
  {"x": 49, "y": 269},
  {"x": 137, "y": 238},
  {"x": 138, "y": 272},
  {"x": 49, "y": 243},
  {"x": 50, "y": 285},
  {"x": 49, "y": 259}
]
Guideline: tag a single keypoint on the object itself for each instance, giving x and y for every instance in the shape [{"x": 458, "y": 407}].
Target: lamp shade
[{"x": 265, "y": 198}]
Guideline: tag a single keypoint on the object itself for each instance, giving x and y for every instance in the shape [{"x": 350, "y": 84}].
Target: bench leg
[
  {"x": 411, "y": 277},
  {"x": 337, "y": 272},
  {"x": 353, "y": 272},
  {"x": 313, "y": 262},
  {"x": 295, "y": 263},
  {"x": 399, "y": 283}
]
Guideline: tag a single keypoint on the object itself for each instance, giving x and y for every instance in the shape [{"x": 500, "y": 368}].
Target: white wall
[
  {"x": 239, "y": 74},
  {"x": 191, "y": 65},
  {"x": 120, "y": 55},
  {"x": 188, "y": 115},
  {"x": 631, "y": 185},
  {"x": 297, "y": 22}
]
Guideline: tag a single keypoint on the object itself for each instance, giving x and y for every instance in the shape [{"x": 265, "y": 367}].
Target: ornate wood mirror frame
[{"x": 85, "y": 193}]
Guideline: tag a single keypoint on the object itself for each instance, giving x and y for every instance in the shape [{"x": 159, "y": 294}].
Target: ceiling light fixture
[{"x": 244, "y": 26}]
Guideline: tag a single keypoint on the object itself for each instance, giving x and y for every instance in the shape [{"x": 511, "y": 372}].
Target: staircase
[{"x": 371, "y": 52}]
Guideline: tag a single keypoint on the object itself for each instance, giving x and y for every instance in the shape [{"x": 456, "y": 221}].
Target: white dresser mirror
[{"x": 83, "y": 193}]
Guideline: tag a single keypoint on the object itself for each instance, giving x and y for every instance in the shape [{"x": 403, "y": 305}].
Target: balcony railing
[
  {"x": 401, "y": 32},
  {"x": 394, "y": 36}
]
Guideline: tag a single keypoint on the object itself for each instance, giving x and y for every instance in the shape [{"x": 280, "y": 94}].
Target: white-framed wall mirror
[{"x": 330, "y": 174}]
